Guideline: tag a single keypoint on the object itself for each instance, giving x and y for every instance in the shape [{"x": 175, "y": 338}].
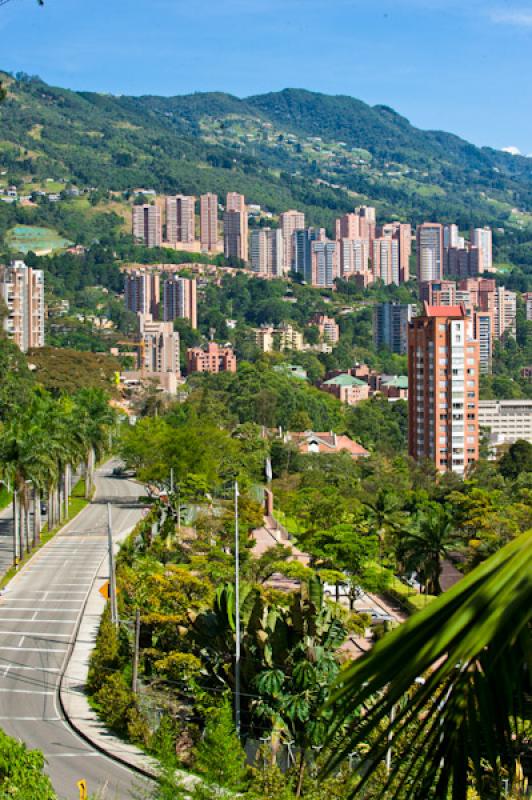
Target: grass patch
[
  {"x": 406, "y": 596},
  {"x": 77, "y": 503},
  {"x": 5, "y": 497}
]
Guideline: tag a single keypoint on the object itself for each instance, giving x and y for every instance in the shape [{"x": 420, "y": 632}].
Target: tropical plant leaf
[{"x": 454, "y": 679}]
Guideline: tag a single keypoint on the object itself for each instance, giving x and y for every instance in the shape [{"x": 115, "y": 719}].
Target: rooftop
[{"x": 344, "y": 380}]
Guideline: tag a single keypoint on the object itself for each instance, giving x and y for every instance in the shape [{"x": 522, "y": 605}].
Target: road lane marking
[
  {"x": 28, "y": 691},
  {"x": 61, "y": 620},
  {"x": 16, "y": 667},
  {"x": 35, "y": 635},
  {"x": 31, "y": 719},
  {"x": 34, "y": 649},
  {"x": 81, "y": 754}
]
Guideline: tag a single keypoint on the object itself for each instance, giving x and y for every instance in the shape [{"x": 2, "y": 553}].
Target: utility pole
[
  {"x": 15, "y": 529},
  {"x": 134, "y": 682},
  {"x": 237, "y": 616},
  {"x": 171, "y": 480},
  {"x": 112, "y": 576}
]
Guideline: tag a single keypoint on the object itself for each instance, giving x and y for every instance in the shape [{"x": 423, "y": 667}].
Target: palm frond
[{"x": 452, "y": 682}]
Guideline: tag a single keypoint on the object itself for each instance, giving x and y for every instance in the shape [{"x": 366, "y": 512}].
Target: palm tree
[
  {"x": 449, "y": 689},
  {"x": 97, "y": 419},
  {"x": 422, "y": 547}
]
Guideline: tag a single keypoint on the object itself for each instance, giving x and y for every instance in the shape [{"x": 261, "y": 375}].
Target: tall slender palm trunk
[{"x": 37, "y": 522}]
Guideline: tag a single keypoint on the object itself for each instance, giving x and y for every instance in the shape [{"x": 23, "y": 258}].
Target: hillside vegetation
[{"x": 290, "y": 148}]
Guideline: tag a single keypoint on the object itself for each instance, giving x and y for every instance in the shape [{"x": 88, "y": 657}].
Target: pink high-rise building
[
  {"x": 402, "y": 231},
  {"x": 443, "y": 371},
  {"x": 289, "y": 222},
  {"x": 385, "y": 260},
  {"x": 348, "y": 227},
  {"x": 22, "y": 292},
  {"x": 355, "y": 258},
  {"x": 180, "y": 219},
  {"x": 236, "y": 227},
  {"x": 209, "y": 222},
  {"x": 147, "y": 225}
]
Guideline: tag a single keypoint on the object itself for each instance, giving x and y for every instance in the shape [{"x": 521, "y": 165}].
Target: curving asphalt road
[{"x": 39, "y": 614}]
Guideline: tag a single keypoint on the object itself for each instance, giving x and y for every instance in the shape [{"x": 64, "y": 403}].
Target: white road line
[
  {"x": 36, "y": 635},
  {"x": 60, "y": 621},
  {"x": 32, "y": 608},
  {"x": 16, "y": 667},
  {"x": 21, "y": 640},
  {"x": 34, "y": 649},
  {"x": 82, "y": 754},
  {"x": 31, "y": 719},
  {"x": 27, "y": 691}
]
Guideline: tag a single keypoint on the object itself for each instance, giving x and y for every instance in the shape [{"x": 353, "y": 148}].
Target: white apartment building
[
  {"x": 22, "y": 290},
  {"x": 429, "y": 237},
  {"x": 507, "y": 420},
  {"x": 482, "y": 238}
]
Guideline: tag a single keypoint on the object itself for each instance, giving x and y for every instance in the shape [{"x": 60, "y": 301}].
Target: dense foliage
[{"x": 154, "y": 142}]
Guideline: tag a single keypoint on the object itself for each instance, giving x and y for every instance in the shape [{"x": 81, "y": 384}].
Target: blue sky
[{"x": 457, "y": 65}]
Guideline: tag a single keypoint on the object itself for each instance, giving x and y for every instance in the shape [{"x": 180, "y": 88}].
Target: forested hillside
[{"x": 291, "y": 148}]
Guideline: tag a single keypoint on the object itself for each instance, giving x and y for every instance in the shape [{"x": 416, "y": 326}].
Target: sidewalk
[{"x": 73, "y": 699}]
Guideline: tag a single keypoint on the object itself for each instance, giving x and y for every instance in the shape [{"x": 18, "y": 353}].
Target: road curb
[{"x": 86, "y": 722}]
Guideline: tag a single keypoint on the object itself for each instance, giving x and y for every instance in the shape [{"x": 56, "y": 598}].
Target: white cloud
[
  {"x": 514, "y": 151},
  {"x": 520, "y": 17}
]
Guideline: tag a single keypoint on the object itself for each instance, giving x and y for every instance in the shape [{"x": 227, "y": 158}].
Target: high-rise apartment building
[
  {"x": 147, "y": 225},
  {"x": 348, "y": 227},
  {"x": 267, "y": 252},
  {"x": 142, "y": 291},
  {"x": 209, "y": 222},
  {"x": 402, "y": 232},
  {"x": 22, "y": 290},
  {"x": 483, "y": 333},
  {"x": 180, "y": 219},
  {"x": 367, "y": 222},
  {"x": 303, "y": 240},
  {"x": 438, "y": 293},
  {"x": 527, "y": 298},
  {"x": 236, "y": 227},
  {"x": 160, "y": 346},
  {"x": 390, "y": 325},
  {"x": 289, "y": 222},
  {"x": 385, "y": 259},
  {"x": 504, "y": 312},
  {"x": 179, "y": 300},
  {"x": 443, "y": 369},
  {"x": 355, "y": 257},
  {"x": 452, "y": 238},
  {"x": 324, "y": 257},
  {"x": 429, "y": 237},
  {"x": 482, "y": 238},
  {"x": 463, "y": 262}
]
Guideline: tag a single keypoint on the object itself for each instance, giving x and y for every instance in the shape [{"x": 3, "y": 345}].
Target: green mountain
[{"x": 297, "y": 148}]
